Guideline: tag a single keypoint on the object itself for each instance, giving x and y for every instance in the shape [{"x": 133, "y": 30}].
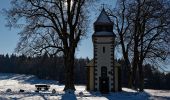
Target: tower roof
[
  {"x": 103, "y": 26},
  {"x": 103, "y": 18}
]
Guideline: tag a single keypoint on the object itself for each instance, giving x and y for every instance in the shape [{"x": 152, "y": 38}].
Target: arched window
[
  {"x": 103, "y": 71},
  {"x": 103, "y": 49}
]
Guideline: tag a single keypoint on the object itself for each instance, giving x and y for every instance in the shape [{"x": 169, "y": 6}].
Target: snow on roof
[{"x": 103, "y": 18}]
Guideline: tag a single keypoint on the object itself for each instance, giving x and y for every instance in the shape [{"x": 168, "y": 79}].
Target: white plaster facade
[{"x": 104, "y": 59}]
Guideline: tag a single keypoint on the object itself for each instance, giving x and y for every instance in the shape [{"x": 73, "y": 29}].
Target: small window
[{"x": 103, "y": 49}]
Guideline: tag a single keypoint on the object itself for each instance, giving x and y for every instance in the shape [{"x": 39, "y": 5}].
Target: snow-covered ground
[{"x": 15, "y": 82}]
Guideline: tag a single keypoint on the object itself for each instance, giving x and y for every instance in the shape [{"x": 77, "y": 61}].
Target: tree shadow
[
  {"x": 122, "y": 95},
  {"x": 25, "y": 95},
  {"x": 29, "y": 79},
  {"x": 68, "y": 96}
]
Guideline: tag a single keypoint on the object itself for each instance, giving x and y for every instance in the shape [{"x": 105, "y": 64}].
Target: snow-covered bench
[{"x": 42, "y": 87}]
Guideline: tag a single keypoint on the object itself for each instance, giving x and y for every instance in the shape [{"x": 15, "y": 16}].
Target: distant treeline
[
  {"x": 43, "y": 67},
  {"x": 153, "y": 78},
  {"x": 46, "y": 67}
]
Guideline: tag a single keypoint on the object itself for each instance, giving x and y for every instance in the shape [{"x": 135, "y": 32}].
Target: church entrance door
[
  {"x": 104, "y": 85},
  {"x": 104, "y": 81}
]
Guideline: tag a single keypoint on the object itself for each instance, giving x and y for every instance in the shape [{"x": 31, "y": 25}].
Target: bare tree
[
  {"x": 143, "y": 27},
  {"x": 122, "y": 24},
  {"x": 153, "y": 33},
  {"x": 53, "y": 26}
]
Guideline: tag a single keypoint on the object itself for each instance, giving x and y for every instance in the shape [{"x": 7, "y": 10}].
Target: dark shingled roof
[{"x": 103, "y": 19}]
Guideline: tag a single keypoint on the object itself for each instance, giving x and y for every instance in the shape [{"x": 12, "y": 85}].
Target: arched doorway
[{"x": 104, "y": 80}]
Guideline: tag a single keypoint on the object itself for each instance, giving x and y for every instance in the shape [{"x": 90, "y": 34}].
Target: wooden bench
[{"x": 40, "y": 87}]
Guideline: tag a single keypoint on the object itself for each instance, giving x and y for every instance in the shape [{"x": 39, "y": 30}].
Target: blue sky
[{"x": 9, "y": 37}]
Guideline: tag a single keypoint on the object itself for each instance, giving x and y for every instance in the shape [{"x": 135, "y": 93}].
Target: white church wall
[{"x": 104, "y": 58}]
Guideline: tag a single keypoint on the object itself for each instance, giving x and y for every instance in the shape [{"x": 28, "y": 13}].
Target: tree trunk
[
  {"x": 135, "y": 63},
  {"x": 127, "y": 62},
  {"x": 129, "y": 73},
  {"x": 141, "y": 77},
  {"x": 69, "y": 70}
]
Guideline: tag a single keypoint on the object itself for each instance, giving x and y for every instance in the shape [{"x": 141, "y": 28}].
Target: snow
[{"x": 15, "y": 82}]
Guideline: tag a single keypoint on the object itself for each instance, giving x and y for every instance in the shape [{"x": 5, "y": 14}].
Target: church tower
[{"x": 103, "y": 42}]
